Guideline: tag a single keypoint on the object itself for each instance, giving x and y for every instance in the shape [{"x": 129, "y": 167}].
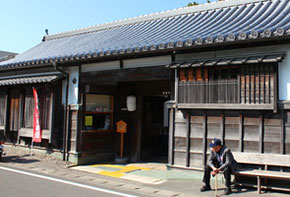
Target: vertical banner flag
[{"x": 37, "y": 132}]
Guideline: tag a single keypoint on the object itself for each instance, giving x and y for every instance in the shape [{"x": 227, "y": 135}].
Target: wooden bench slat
[
  {"x": 264, "y": 187},
  {"x": 263, "y": 173},
  {"x": 266, "y": 160},
  {"x": 262, "y": 159}
]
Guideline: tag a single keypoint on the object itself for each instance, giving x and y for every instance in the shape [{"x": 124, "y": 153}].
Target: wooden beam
[
  {"x": 239, "y": 87},
  {"x": 171, "y": 138},
  {"x": 261, "y": 134},
  {"x": 222, "y": 125},
  {"x": 52, "y": 113},
  {"x": 275, "y": 76},
  {"x": 204, "y": 138},
  {"x": 225, "y": 106},
  {"x": 188, "y": 125},
  {"x": 241, "y": 133},
  {"x": 283, "y": 132},
  {"x": 7, "y": 112},
  {"x": 21, "y": 113}
]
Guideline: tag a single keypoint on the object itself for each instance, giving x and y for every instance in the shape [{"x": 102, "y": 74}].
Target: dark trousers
[{"x": 227, "y": 174}]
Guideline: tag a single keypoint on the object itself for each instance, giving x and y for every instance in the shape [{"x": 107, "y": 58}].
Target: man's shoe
[
  {"x": 228, "y": 191},
  {"x": 205, "y": 188}
]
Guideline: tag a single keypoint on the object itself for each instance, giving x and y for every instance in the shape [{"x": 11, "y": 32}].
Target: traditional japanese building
[{"x": 214, "y": 70}]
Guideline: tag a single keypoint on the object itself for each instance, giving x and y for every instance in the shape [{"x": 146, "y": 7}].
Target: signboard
[
  {"x": 88, "y": 120},
  {"x": 121, "y": 126},
  {"x": 37, "y": 132}
]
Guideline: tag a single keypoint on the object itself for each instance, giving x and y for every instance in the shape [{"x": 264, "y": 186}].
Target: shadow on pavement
[{"x": 17, "y": 159}]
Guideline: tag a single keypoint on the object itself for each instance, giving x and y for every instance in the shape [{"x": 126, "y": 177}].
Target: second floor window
[{"x": 244, "y": 84}]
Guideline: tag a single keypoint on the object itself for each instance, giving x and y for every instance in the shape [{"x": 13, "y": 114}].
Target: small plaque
[{"x": 121, "y": 126}]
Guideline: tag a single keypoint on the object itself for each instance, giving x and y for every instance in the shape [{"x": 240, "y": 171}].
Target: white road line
[{"x": 66, "y": 182}]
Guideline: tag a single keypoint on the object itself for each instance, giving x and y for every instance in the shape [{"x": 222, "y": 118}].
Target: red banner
[{"x": 37, "y": 132}]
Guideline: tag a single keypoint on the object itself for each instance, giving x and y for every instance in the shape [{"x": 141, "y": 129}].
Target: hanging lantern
[{"x": 131, "y": 103}]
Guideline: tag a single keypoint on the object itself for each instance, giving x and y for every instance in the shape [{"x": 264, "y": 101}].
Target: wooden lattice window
[{"x": 244, "y": 84}]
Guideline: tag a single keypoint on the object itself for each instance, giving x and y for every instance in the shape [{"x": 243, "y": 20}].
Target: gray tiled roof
[
  {"x": 219, "y": 22},
  {"x": 5, "y": 55},
  {"x": 29, "y": 80},
  {"x": 253, "y": 59}
]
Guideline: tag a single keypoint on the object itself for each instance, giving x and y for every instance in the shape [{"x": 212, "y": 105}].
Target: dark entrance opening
[{"x": 154, "y": 143}]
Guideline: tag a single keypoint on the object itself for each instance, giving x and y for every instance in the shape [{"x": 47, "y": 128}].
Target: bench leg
[
  {"x": 259, "y": 184},
  {"x": 235, "y": 181}
]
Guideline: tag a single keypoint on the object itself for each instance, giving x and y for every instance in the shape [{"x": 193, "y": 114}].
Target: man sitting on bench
[{"x": 221, "y": 160}]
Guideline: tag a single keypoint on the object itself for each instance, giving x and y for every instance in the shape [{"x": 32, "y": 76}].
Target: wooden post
[
  {"x": 259, "y": 184},
  {"x": 241, "y": 133},
  {"x": 204, "y": 138},
  {"x": 122, "y": 145},
  {"x": 283, "y": 132},
  {"x": 261, "y": 134},
  {"x": 7, "y": 113},
  {"x": 188, "y": 117},
  {"x": 275, "y": 83},
  {"x": 171, "y": 137},
  {"x": 222, "y": 126},
  {"x": 121, "y": 128}
]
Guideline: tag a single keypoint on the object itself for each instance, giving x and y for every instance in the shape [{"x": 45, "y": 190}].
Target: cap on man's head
[{"x": 215, "y": 142}]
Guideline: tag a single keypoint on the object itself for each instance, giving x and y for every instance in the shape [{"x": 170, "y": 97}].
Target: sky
[{"x": 23, "y": 22}]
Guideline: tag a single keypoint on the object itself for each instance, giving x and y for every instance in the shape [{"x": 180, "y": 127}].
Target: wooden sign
[{"x": 121, "y": 126}]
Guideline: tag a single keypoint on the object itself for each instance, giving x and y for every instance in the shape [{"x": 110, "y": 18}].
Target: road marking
[
  {"x": 66, "y": 182},
  {"x": 123, "y": 170}
]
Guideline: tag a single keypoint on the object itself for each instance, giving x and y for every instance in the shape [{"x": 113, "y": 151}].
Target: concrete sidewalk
[
  {"x": 157, "y": 175},
  {"x": 145, "y": 179}
]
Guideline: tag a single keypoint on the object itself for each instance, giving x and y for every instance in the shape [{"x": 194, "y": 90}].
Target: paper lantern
[{"x": 131, "y": 103}]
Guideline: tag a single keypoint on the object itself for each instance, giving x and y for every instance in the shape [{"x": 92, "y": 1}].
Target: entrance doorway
[{"x": 154, "y": 143}]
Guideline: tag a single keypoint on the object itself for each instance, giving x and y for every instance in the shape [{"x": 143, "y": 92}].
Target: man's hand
[{"x": 215, "y": 171}]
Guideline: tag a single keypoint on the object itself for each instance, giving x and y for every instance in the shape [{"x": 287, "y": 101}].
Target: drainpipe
[{"x": 65, "y": 132}]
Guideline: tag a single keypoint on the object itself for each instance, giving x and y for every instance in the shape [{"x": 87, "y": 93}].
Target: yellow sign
[
  {"x": 88, "y": 120},
  {"x": 121, "y": 126}
]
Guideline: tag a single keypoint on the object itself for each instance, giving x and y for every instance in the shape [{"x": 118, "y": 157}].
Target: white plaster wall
[
  {"x": 73, "y": 87},
  {"x": 284, "y": 77}
]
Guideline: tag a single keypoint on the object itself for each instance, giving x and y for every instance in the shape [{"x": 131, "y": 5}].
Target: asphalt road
[{"x": 20, "y": 183}]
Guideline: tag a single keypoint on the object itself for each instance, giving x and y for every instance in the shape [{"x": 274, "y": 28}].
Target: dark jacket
[{"x": 227, "y": 159}]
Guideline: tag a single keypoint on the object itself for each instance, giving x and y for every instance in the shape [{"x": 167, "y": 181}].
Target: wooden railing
[{"x": 222, "y": 91}]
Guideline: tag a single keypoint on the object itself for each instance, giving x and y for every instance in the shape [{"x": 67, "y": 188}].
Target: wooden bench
[{"x": 263, "y": 161}]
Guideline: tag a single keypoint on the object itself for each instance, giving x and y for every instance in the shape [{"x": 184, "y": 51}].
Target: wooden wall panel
[
  {"x": 180, "y": 129},
  {"x": 251, "y": 134},
  {"x": 180, "y": 158},
  {"x": 196, "y": 160},
  {"x": 232, "y": 132},
  {"x": 261, "y": 133},
  {"x": 180, "y": 125},
  {"x": 213, "y": 127},
  {"x": 272, "y": 132},
  {"x": 287, "y": 140},
  {"x": 196, "y": 145},
  {"x": 180, "y": 144},
  {"x": 196, "y": 127},
  {"x": 287, "y": 133},
  {"x": 179, "y": 117}
]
